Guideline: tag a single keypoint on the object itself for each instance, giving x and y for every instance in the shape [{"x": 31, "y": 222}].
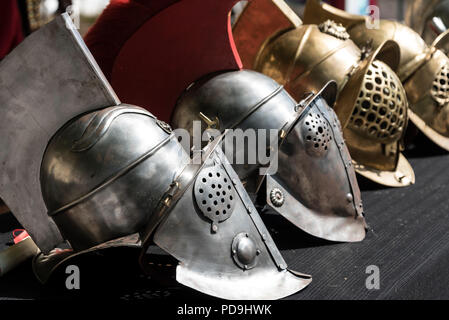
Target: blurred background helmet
[
  {"x": 371, "y": 102},
  {"x": 422, "y": 68},
  {"x": 429, "y": 18}
]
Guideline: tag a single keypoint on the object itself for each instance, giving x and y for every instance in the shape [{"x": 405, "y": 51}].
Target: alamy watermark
[
  {"x": 373, "y": 22},
  {"x": 258, "y": 147},
  {"x": 372, "y": 282},
  {"x": 72, "y": 282}
]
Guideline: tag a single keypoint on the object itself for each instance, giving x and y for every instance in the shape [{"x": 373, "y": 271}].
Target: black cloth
[{"x": 408, "y": 240}]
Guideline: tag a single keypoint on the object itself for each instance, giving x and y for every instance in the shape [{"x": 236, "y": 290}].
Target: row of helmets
[
  {"x": 386, "y": 75},
  {"x": 78, "y": 165}
]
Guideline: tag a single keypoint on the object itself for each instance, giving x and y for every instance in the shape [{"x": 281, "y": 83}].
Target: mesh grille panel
[
  {"x": 380, "y": 112},
  {"x": 440, "y": 88}
]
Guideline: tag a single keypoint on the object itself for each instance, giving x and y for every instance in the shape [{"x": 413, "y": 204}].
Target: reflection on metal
[
  {"x": 79, "y": 188},
  {"x": 327, "y": 209},
  {"x": 403, "y": 176},
  {"x": 164, "y": 126},
  {"x": 99, "y": 125},
  {"x": 244, "y": 251},
  {"x": 277, "y": 197},
  {"x": 334, "y": 29},
  {"x": 108, "y": 172},
  {"x": 312, "y": 157},
  {"x": 421, "y": 69},
  {"x": 231, "y": 262},
  {"x": 214, "y": 194},
  {"x": 436, "y": 137},
  {"x": 211, "y": 124}
]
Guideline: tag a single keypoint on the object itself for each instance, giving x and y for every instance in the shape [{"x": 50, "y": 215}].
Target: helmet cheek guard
[
  {"x": 317, "y": 176},
  {"x": 215, "y": 232}
]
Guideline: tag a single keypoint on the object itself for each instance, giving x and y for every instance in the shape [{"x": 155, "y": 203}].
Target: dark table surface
[{"x": 408, "y": 241}]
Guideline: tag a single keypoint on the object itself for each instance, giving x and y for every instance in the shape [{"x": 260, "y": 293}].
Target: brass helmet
[
  {"x": 423, "y": 70},
  {"x": 371, "y": 105},
  {"x": 429, "y": 18}
]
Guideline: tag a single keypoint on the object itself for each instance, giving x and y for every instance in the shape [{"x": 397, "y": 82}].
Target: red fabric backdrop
[{"x": 10, "y": 26}]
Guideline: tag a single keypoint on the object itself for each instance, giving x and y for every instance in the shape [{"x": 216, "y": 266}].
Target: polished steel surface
[
  {"x": 244, "y": 251},
  {"x": 154, "y": 194},
  {"x": 106, "y": 173},
  {"x": 103, "y": 174},
  {"x": 214, "y": 194},
  {"x": 277, "y": 197},
  {"x": 46, "y": 81},
  {"x": 231, "y": 97},
  {"x": 207, "y": 259},
  {"x": 308, "y": 180}
]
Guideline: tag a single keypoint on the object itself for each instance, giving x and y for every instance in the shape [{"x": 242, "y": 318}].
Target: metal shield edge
[{"x": 47, "y": 80}]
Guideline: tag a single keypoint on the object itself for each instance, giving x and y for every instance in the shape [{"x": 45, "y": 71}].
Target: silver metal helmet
[
  {"x": 210, "y": 225},
  {"x": 65, "y": 167},
  {"x": 110, "y": 174},
  {"x": 90, "y": 165},
  {"x": 315, "y": 186}
]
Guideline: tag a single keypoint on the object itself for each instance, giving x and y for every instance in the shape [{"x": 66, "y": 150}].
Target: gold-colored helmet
[
  {"x": 429, "y": 18},
  {"x": 423, "y": 70},
  {"x": 371, "y": 105}
]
